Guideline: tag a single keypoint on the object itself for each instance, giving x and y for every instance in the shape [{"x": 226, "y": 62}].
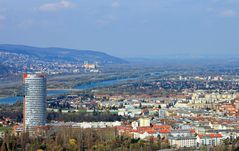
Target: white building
[
  {"x": 183, "y": 141},
  {"x": 162, "y": 113},
  {"x": 145, "y": 135},
  {"x": 209, "y": 139},
  {"x": 144, "y": 122}
]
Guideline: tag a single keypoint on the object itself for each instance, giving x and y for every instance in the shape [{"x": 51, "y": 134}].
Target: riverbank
[{"x": 86, "y": 86}]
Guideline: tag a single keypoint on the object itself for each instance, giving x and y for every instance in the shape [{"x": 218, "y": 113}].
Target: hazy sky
[{"x": 125, "y": 28}]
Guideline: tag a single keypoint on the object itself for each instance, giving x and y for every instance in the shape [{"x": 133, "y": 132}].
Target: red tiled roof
[
  {"x": 210, "y": 135},
  {"x": 161, "y": 126},
  {"x": 164, "y": 131},
  {"x": 215, "y": 135},
  {"x": 192, "y": 130}
]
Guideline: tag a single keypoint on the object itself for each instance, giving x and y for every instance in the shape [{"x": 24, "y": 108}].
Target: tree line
[{"x": 77, "y": 139}]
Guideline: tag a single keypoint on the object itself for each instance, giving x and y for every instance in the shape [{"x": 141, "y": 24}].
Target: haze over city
[{"x": 124, "y": 28}]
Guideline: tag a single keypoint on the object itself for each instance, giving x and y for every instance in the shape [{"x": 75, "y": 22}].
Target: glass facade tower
[{"x": 34, "y": 101}]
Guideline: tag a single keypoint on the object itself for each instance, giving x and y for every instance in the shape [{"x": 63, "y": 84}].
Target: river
[{"x": 11, "y": 100}]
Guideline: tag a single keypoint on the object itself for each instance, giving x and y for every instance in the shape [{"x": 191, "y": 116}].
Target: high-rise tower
[{"x": 34, "y": 111}]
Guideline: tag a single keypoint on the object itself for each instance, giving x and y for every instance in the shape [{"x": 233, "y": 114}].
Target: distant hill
[{"x": 64, "y": 54}]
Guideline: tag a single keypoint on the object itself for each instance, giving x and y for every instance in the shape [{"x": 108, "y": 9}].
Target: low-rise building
[
  {"x": 209, "y": 139},
  {"x": 183, "y": 141}
]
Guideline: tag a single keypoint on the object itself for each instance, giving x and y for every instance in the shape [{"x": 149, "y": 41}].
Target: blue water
[
  {"x": 11, "y": 100},
  {"x": 56, "y": 92},
  {"x": 101, "y": 84}
]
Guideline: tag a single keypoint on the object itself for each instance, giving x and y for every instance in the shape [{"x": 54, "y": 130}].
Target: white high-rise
[{"x": 34, "y": 101}]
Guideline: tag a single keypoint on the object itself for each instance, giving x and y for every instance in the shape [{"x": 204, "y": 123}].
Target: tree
[
  {"x": 159, "y": 142},
  {"x": 72, "y": 145}
]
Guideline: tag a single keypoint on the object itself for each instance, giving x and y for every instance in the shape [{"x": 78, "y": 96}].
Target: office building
[{"x": 34, "y": 101}]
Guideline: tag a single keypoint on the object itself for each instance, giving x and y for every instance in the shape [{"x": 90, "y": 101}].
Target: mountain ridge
[{"x": 62, "y": 53}]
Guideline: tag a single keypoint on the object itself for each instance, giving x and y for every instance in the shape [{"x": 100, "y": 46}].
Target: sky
[{"x": 124, "y": 28}]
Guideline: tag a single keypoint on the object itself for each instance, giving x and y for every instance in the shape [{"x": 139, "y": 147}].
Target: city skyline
[{"x": 124, "y": 28}]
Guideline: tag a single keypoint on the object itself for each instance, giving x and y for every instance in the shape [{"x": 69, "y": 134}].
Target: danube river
[{"x": 11, "y": 100}]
